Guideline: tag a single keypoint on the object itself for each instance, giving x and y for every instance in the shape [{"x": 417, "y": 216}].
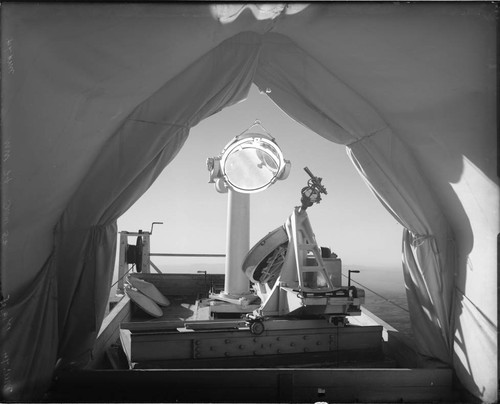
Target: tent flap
[
  {"x": 86, "y": 233},
  {"x": 313, "y": 95},
  {"x": 29, "y": 338}
]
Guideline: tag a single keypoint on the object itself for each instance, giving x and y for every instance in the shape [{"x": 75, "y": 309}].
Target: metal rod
[
  {"x": 152, "y": 224},
  {"x": 349, "y": 277},
  {"x": 378, "y": 294},
  {"x": 184, "y": 255}
]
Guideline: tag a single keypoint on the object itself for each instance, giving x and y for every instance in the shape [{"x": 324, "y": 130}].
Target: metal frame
[
  {"x": 291, "y": 293},
  {"x": 123, "y": 266}
]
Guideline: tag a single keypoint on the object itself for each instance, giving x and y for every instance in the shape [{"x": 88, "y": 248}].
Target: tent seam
[
  {"x": 378, "y": 131},
  {"x": 159, "y": 123}
]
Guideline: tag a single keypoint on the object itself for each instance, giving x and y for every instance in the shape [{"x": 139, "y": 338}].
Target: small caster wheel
[{"x": 257, "y": 327}]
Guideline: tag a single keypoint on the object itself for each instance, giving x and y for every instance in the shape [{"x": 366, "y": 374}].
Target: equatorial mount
[{"x": 312, "y": 193}]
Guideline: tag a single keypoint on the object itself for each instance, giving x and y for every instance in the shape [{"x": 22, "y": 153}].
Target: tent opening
[{"x": 349, "y": 220}]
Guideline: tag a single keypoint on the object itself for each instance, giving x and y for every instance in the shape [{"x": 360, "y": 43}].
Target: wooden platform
[
  {"x": 164, "y": 343},
  {"x": 245, "y": 381},
  {"x": 321, "y": 346}
]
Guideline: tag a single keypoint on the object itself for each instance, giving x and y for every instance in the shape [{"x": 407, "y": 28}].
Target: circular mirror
[{"x": 251, "y": 163}]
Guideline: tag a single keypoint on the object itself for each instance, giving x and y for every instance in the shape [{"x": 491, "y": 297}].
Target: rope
[
  {"x": 379, "y": 295},
  {"x": 119, "y": 279},
  {"x": 256, "y": 123}
]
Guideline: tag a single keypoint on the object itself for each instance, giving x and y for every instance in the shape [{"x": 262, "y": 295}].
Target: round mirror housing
[{"x": 252, "y": 162}]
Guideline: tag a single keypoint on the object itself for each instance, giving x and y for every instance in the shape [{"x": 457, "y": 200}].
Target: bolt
[
  {"x": 242, "y": 346},
  {"x": 227, "y": 341}
]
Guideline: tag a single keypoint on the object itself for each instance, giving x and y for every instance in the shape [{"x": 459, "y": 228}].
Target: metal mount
[{"x": 312, "y": 193}]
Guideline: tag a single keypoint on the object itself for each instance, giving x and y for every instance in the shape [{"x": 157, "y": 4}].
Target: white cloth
[{"x": 98, "y": 99}]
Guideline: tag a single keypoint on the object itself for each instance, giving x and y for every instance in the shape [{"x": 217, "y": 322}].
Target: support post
[
  {"x": 237, "y": 244},
  {"x": 122, "y": 264}
]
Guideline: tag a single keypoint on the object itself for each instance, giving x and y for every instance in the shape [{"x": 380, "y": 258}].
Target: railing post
[
  {"x": 145, "y": 268},
  {"x": 122, "y": 263}
]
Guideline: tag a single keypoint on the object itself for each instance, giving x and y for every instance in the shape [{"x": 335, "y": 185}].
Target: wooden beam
[
  {"x": 158, "y": 270},
  {"x": 257, "y": 385},
  {"x": 109, "y": 332}
]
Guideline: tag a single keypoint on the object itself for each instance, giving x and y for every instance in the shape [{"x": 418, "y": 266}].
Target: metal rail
[
  {"x": 378, "y": 294},
  {"x": 184, "y": 255},
  {"x": 151, "y": 263},
  {"x": 122, "y": 273}
]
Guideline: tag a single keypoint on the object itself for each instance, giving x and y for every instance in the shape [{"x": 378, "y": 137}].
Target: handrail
[
  {"x": 122, "y": 273},
  {"x": 184, "y": 255},
  {"x": 379, "y": 295}
]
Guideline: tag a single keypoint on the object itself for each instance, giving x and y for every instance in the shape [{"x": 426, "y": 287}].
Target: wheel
[{"x": 257, "y": 327}]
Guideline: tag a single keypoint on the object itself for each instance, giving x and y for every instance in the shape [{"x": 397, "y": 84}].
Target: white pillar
[{"x": 237, "y": 244}]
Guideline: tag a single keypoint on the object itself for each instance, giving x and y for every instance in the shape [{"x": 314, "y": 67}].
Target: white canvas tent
[{"x": 98, "y": 98}]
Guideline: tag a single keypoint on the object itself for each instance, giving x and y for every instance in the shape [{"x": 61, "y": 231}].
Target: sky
[{"x": 349, "y": 219}]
